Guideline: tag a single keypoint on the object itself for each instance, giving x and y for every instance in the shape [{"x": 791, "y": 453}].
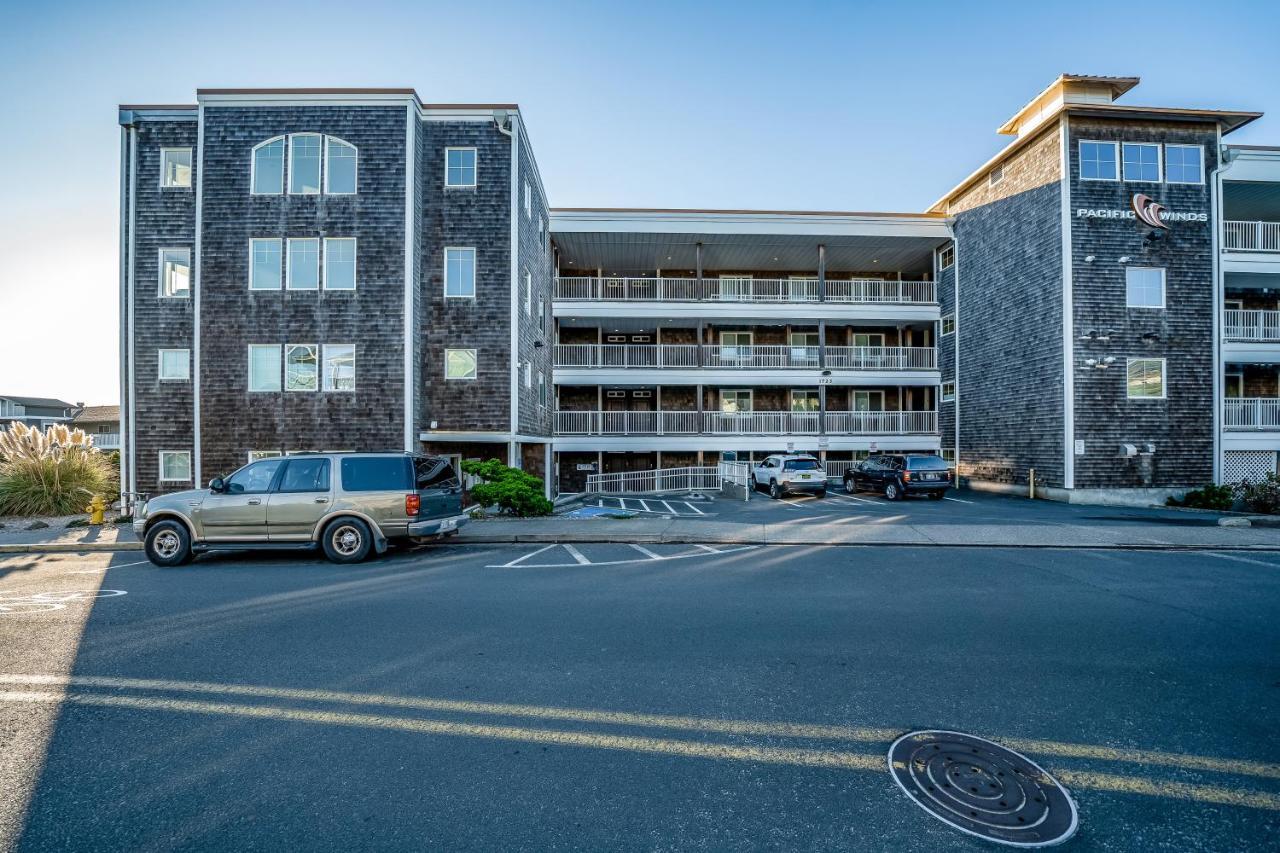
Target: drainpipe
[{"x": 1219, "y": 293}]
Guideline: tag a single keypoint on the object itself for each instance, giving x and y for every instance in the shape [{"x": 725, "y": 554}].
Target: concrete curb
[{"x": 68, "y": 547}]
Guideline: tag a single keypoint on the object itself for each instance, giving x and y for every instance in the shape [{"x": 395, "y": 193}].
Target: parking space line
[
  {"x": 957, "y": 500},
  {"x": 707, "y": 548},
  {"x": 576, "y": 554},
  {"x": 645, "y": 551},
  {"x": 1243, "y": 560},
  {"x": 694, "y": 508},
  {"x": 519, "y": 560},
  {"x": 668, "y": 506}
]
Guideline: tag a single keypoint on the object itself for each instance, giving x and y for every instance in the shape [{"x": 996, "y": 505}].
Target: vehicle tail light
[{"x": 412, "y": 504}]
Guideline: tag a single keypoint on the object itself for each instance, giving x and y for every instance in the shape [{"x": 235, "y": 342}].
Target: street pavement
[{"x": 615, "y": 696}]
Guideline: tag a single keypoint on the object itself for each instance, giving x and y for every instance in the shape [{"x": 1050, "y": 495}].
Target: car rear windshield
[
  {"x": 434, "y": 472},
  {"x": 375, "y": 474},
  {"x": 800, "y": 465},
  {"x": 926, "y": 463}
]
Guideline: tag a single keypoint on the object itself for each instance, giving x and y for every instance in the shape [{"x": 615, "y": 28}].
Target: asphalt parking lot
[{"x": 616, "y": 696}]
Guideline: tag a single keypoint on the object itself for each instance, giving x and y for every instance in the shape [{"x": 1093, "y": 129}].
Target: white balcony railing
[
  {"x": 1244, "y": 236},
  {"x": 760, "y": 423},
  {"x": 882, "y": 423},
  {"x": 745, "y": 423},
  {"x": 1251, "y": 325},
  {"x": 1246, "y": 413},
  {"x": 626, "y": 423},
  {"x": 743, "y": 289},
  {"x": 762, "y": 356},
  {"x": 106, "y": 440}
]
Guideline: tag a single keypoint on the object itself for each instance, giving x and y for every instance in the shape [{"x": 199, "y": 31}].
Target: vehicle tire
[
  {"x": 168, "y": 543},
  {"x": 850, "y": 486},
  {"x": 892, "y": 491},
  {"x": 755, "y": 487},
  {"x": 775, "y": 491},
  {"x": 347, "y": 540},
  {"x": 935, "y": 496},
  {"x": 821, "y": 494}
]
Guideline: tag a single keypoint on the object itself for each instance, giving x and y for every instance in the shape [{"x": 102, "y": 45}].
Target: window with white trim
[
  {"x": 528, "y": 293},
  {"x": 310, "y": 156},
  {"x": 255, "y": 455},
  {"x": 528, "y": 200},
  {"x": 264, "y": 263},
  {"x": 1184, "y": 164},
  {"x": 175, "y": 466},
  {"x": 1144, "y": 379},
  {"x": 1141, "y": 161},
  {"x": 542, "y": 389},
  {"x": 305, "y": 156},
  {"x": 339, "y": 367},
  {"x": 459, "y": 364},
  {"x": 339, "y": 263},
  {"x": 175, "y": 273},
  {"x": 459, "y": 167},
  {"x": 948, "y": 391},
  {"x": 174, "y": 365},
  {"x": 301, "y": 367},
  {"x": 268, "y": 167},
  {"x": 460, "y": 273},
  {"x": 948, "y": 323},
  {"x": 542, "y": 316},
  {"x": 264, "y": 367},
  {"x": 947, "y": 256},
  {"x": 175, "y": 168},
  {"x": 1144, "y": 287},
  {"x": 340, "y": 160},
  {"x": 528, "y": 374},
  {"x": 303, "y": 271},
  {"x": 1098, "y": 161}
]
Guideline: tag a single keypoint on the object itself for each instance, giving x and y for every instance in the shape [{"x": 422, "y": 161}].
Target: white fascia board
[
  {"x": 1234, "y": 440},
  {"x": 1251, "y": 352},
  {"x": 317, "y": 99},
  {"x": 644, "y": 443},
  {"x": 776, "y": 313},
  {"x": 1252, "y": 262},
  {"x": 1254, "y": 165},
  {"x": 480, "y": 437},
  {"x": 814, "y": 225},
  {"x": 738, "y": 378}
]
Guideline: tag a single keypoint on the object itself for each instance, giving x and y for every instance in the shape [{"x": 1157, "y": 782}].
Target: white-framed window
[
  {"x": 264, "y": 263},
  {"x": 947, "y": 256},
  {"x": 996, "y": 175},
  {"x": 174, "y": 365},
  {"x": 460, "y": 272},
  {"x": 1098, "y": 161},
  {"x": 339, "y": 263},
  {"x": 542, "y": 226},
  {"x": 948, "y": 323},
  {"x": 868, "y": 401},
  {"x": 460, "y": 167},
  {"x": 528, "y": 374},
  {"x": 542, "y": 389},
  {"x": 301, "y": 367},
  {"x": 267, "y": 169},
  {"x": 1184, "y": 164},
  {"x": 305, "y": 156},
  {"x": 459, "y": 364},
  {"x": 804, "y": 400},
  {"x": 734, "y": 400},
  {"x": 528, "y": 293},
  {"x": 1144, "y": 287},
  {"x": 303, "y": 268},
  {"x": 255, "y": 455},
  {"x": 542, "y": 316},
  {"x": 528, "y": 200},
  {"x": 175, "y": 273},
  {"x": 948, "y": 391},
  {"x": 1233, "y": 384},
  {"x": 264, "y": 367},
  {"x": 867, "y": 339},
  {"x": 1141, "y": 161},
  {"x": 1144, "y": 379},
  {"x": 175, "y": 466},
  {"x": 340, "y": 165},
  {"x": 175, "y": 168},
  {"x": 339, "y": 367}
]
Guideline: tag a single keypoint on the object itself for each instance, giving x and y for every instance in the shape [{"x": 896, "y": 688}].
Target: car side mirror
[{"x": 216, "y": 484}]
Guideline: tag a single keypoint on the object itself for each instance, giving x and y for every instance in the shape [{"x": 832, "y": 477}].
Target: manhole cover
[{"x": 982, "y": 788}]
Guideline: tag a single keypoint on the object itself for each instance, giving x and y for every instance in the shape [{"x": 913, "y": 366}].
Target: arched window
[
  {"x": 268, "y": 167},
  {"x": 340, "y": 167}
]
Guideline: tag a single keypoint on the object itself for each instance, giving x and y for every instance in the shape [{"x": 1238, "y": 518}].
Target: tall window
[
  {"x": 460, "y": 273},
  {"x": 459, "y": 364},
  {"x": 528, "y": 201},
  {"x": 264, "y": 367},
  {"x": 175, "y": 365},
  {"x": 1184, "y": 164},
  {"x": 339, "y": 367},
  {"x": 1141, "y": 162},
  {"x": 175, "y": 466},
  {"x": 1145, "y": 378},
  {"x": 264, "y": 264},
  {"x": 542, "y": 389},
  {"x": 947, "y": 257},
  {"x": 733, "y": 400},
  {"x": 304, "y": 264},
  {"x": 460, "y": 167},
  {"x": 268, "y": 167},
  {"x": 804, "y": 400},
  {"x": 948, "y": 323},
  {"x": 340, "y": 167},
  {"x": 175, "y": 273},
  {"x": 948, "y": 391},
  {"x": 528, "y": 293},
  {"x": 339, "y": 263},
  {"x": 542, "y": 316},
  {"x": 301, "y": 367},
  {"x": 175, "y": 167},
  {"x": 304, "y": 164},
  {"x": 1144, "y": 287},
  {"x": 1098, "y": 161}
]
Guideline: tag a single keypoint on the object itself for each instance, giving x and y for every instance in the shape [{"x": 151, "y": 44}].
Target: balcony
[
  {"x": 1251, "y": 325},
  {"x": 1240, "y": 414},
  {"x": 779, "y": 356},
  {"x": 858, "y": 291},
  {"x": 106, "y": 440},
  {"x": 745, "y": 423},
  {"x": 1249, "y": 236}
]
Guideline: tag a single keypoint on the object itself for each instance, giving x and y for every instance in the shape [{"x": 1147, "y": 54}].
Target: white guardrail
[
  {"x": 744, "y": 423},
  {"x": 1245, "y": 236},
  {"x": 1256, "y": 413},
  {"x": 742, "y": 289},
  {"x": 743, "y": 357},
  {"x": 1251, "y": 325},
  {"x": 698, "y": 478}
]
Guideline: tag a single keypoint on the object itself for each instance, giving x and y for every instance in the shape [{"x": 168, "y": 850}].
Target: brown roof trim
[
  {"x": 316, "y": 91},
  {"x": 159, "y": 107},
  {"x": 1255, "y": 147},
  {"x": 926, "y": 215},
  {"x": 471, "y": 106}
]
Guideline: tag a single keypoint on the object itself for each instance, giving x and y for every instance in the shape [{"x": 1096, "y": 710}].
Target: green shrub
[
  {"x": 1262, "y": 496},
  {"x": 509, "y": 489},
  {"x": 1207, "y": 497},
  {"x": 55, "y": 472}
]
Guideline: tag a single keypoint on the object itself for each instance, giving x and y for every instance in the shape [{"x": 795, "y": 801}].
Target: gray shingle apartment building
[{"x": 356, "y": 269}]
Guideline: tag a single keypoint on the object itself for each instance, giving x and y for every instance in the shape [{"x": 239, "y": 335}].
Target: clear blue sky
[{"x": 841, "y": 106}]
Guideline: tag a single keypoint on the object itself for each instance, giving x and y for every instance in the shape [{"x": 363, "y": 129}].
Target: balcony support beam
[
  {"x": 698, "y": 256},
  {"x": 822, "y": 273}
]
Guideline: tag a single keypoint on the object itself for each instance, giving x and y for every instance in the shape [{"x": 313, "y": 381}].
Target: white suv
[{"x": 790, "y": 472}]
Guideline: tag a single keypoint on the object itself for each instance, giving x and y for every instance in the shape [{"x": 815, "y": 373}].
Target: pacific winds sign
[{"x": 1145, "y": 210}]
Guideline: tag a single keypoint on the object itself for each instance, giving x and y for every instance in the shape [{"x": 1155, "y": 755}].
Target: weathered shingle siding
[
  {"x": 1181, "y": 426},
  {"x": 534, "y": 259},
  {"x": 476, "y": 217},
  {"x": 165, "y": 218},
  {"x": 1009, "y": 319},
  {"x": 234, "y": 421}
]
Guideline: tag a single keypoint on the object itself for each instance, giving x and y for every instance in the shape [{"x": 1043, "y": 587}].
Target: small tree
[
  {"x": 1262, "y": 496},
  {"x": 55, "y": 472},
  {"x": 509, "y": 489}
]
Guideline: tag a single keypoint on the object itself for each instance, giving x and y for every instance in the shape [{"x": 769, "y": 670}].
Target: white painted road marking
[
  {"x": 957, "y": 500},
  {"x": 650, "y": 556},
  {"x": 576, "y": 554},
  {"x": 1243, "y": 560},
  {"x": 519, "y": 560},
  {"x": 645, "y": 551}
]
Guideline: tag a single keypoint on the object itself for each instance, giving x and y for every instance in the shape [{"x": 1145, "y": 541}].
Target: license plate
[
  {"x": 448, "y": 524},
  {"x": 804, "y": 476},
  {"x": 931, "y": 476}
]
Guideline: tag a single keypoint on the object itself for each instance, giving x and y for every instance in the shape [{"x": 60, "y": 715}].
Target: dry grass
[{"x": 55, "y": 472}]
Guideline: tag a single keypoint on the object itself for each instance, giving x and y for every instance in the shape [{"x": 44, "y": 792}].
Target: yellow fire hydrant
[{"x": 96, "y": 508}]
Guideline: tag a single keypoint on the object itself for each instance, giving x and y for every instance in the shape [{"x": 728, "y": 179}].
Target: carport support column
[
  {"x": 822, "y": 344},
  {"x": 698, "y": 273},
  {"x": 513, "y": 454},
  {"x": 702, "y": 334},
  {"x": 822, "y": 273},
  {"x": 700, "y": 418},
  {"x": 550, "y": 476}
]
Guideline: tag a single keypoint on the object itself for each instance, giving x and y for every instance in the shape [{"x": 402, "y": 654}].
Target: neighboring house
[
  {"x": 101, "y": 422},
  {"x": 34, "y": 411}
]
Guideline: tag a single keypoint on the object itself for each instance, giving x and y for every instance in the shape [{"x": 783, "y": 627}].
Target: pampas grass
[{"x": 55, "y": 472}]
